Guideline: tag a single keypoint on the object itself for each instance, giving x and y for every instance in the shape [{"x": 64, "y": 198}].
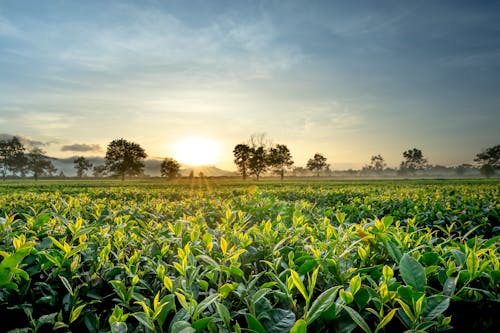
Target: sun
[{"x": 196, "y": 151}]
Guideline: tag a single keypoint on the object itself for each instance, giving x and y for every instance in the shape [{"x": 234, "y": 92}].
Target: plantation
[{"x": 378, "y": 256}]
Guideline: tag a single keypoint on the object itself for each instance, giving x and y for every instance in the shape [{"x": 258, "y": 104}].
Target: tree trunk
[
  {"x": 123, "y": 176},
  {"x": 282, "y": 174}
]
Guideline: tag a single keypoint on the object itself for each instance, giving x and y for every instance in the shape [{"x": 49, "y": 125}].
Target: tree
[
  {"x": 280, "y": 159},
  {"x": 378, "y": 163},
  {"x": 11, "y": 153},
  {"x": 99, "y": 171},
  {"x": 170, "y": 168},
  {"x": 317, "y": 163},
  {"x": 489, "y": 160},
  {"x": 38, "y": 163},
  {"x": 82, "y": 165},
  {"x": 257, "y": 163},
  {"x": 125, "y": 158},
  {"x": 414, "y": 161},
  {"x": 462, "y": 169},
  {"x": 242, "y": 153}
]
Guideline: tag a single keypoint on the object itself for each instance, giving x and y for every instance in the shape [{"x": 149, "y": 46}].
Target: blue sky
[{"x": 349, "y": 79}]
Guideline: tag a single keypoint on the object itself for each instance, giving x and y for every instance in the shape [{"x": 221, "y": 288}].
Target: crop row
[{"x": 286, "y": 258}]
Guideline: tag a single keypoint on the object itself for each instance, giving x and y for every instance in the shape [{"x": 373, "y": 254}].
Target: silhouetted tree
[
  {"x": 242, "y": 153},
  {"x": 11, "y": 153},
  {"x": 170, "y": 168},
  {"x": 99, "y": 171},
  {"x": 378, "y": 163},
  {"x": 299, "y": 171},
  {"x": 280, "y": 159},
  {"x": 463, "y": 168},
  {"x": 125, "y": 158},
  {"x": 489, "y": 161},
  {"x": 19, "y": 165},
  {"x": 257, "y": 163},
  {"x": 414, "y": 160},
  {"x": 317, "y": 163},
  {"x": 38, "y": 163},
  {"x": 82, "y": 165}
]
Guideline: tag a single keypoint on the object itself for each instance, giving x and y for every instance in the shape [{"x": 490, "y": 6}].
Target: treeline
[
  {"x": 256, "y": 158},
  {"x": 123, "y": 158}
]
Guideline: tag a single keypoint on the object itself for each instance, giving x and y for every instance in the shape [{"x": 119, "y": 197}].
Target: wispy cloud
[
  {"x": 25, "y": 140},
  {"x": 81, "y": 147}
]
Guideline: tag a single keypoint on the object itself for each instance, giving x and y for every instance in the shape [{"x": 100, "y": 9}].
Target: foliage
[
  {"x": 258, "y": 161},
  {"x": 170, "y": 168},
  {"x": 39, "y": 164},
  {"x": 378, "y": 163},
  {"x": 11, "y": 155},
  {"x": 242, "y": 154},
  {"x": 298, "y": 257},
  {"x": 489, "y": 160},
  {"x": 414, "y": 160},
  {"x": 317, "y": 163},
  {"x": 125, "y": 158},
  {"x": 279, "y": 157},
  {"x": 82, "y": 165}
]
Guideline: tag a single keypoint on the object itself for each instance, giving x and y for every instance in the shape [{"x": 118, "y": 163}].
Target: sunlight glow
[{"x": 197, "y": 151}]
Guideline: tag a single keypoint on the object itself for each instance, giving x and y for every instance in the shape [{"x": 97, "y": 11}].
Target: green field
[{"x": 226, "y": 256}]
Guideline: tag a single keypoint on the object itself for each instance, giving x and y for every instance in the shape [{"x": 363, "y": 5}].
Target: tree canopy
[
  {"x": 11, "y": 155},
  {"x": 82, "y": 165},
  {"x": 280, "y": 159},
  {"x": 317, "y": 163},
  {"x": 489, "y": 160},
  {"x": 39, "y": 164},
  {"x": 125, "y": 158},
  {"x": 170, "y": 168},
  {"x": 242, "y": 153},
  {"x": 414, "y": 160}
]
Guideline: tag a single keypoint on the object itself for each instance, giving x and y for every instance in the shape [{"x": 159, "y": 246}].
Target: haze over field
[{"x": 347, "y": 79}]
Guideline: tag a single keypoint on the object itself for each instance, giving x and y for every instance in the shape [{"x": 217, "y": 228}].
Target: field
[{"x": 223, "y": 256}]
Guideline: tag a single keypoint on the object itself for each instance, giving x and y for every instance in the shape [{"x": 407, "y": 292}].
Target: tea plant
[{"x": 305, "y": 257}]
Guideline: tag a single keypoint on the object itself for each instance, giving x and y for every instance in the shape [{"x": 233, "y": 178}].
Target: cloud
[
  {"x": 26, "y": 141},
  {"x": 81, "y": 147}
]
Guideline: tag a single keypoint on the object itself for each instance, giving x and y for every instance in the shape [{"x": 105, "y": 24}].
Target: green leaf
[
  {"x": 386, "y": 319},
  {"x": 254, "y": 324},
  {"x": 298, "y": 283},
  {"x": 436, "y": 305},
  {"x": 355, "y": 284},
  {"x": 356, "y": 317},
  {"x": 66, "y": 284},
  {"x": 8, "y": 265},
  {"x": 182, "y": 327},
  {"x": 75, "y": 313},
  {"x": 321, "y": 304},
  {"x": 300, "y": 326},
  {"x": 307, "y": 266},
  {"x": 223, "y": 313},
  {"x": 205, "y": 304},
  {"x": 144, "y": 320},
  {"x": 280, "y": 321},
  {"x": 201, "y": 324},
  {"x": 119, "y": 327},
  {"x": 226, "y": 289},
  {"x": 259, "y": 294},
  {"x": 449, "y": 285},
  {"x": 45, "y": 319},
  {"x": 412, "y": 272}
]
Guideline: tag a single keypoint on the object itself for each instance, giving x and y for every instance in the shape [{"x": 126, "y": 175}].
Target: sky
[{"x": 348, "y": 79}]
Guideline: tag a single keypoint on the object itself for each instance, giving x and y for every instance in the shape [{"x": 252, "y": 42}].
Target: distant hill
[{"x": 152, "y": 167}]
